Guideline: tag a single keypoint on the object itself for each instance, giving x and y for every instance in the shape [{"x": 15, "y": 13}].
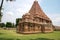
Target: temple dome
[{"x": 36, "y": 11}]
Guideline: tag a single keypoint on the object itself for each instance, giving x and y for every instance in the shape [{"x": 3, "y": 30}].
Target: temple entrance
[{"x": 42, "y": 28}]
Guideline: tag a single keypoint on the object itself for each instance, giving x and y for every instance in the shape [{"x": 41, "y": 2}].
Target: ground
[{"x": 12, "y": 35}]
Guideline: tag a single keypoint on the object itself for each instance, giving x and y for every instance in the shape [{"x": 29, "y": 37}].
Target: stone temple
[{"x": 35, "y": 21}]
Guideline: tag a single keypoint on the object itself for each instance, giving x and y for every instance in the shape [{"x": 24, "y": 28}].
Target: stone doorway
[{"x": 42, "y": 28}]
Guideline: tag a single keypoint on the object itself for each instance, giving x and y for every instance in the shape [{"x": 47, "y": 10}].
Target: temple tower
[{"x": 35, "y": 21}]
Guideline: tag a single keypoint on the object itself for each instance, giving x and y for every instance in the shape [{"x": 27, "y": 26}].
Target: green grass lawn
[{"x": 12, "y": 35}]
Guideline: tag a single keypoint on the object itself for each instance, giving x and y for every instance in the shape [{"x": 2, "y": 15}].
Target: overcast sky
[{"x": 15, "y": 9}]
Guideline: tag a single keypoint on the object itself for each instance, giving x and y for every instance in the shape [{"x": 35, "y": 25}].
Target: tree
[
  {"x": 9, "y": 24},
  {"x": 1, "y": 9},
  {"x": 0, "y": 15},
  {"x": 2, "y": 24},
  {"x": 13, "y": 25},
  {"x": 17, "y": 21},
  {"x": 1, "y": 5}
]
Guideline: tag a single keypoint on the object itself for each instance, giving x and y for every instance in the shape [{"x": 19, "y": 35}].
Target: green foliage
[
  {"x": 17, "y": 21},
  {"x": 13, "y": 25},
  {"x": 2, "y": 25},
  {"x": 9, "y": 24}
]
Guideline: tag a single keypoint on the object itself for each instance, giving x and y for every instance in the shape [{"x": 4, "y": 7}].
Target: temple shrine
[{"x": 35, "y": 21}]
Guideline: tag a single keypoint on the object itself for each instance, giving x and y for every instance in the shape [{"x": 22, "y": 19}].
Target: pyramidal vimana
[{"x": 35, "y": 21}]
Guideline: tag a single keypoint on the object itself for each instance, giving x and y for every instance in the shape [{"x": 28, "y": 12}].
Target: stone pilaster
[{"x": 26, "y": 27}]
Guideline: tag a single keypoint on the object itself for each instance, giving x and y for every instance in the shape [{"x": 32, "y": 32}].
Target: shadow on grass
[
  {"x": 8, "y": 39},
  {"x": 42, "y": 39}
]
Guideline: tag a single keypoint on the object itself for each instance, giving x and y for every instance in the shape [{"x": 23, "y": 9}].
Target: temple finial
[{"x": 35, "y": 0}]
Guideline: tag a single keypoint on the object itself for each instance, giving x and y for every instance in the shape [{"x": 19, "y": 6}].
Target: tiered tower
[{"x": 35, "y": 21}]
